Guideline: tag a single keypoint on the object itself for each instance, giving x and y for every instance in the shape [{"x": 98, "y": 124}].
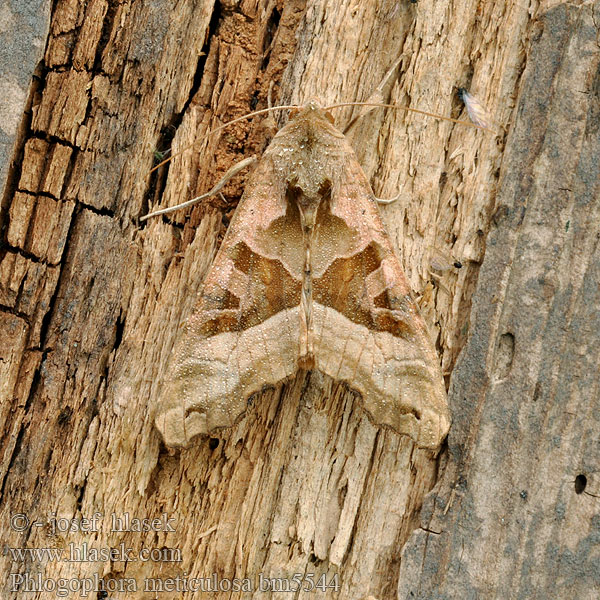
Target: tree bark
[
  {"x": 518, "y": 502},
  {"x": 91, "y": 301}
]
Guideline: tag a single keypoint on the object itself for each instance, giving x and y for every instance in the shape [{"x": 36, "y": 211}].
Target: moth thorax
[
  {"x": 307, "y": 199},
  {"x": 308, "y": 208}
]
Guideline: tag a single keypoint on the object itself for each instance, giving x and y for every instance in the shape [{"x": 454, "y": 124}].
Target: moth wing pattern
[
  {"x": 305, "y": 277},
  {"x": 227, "y": 351},
  {"x": 369, "y": 333}
]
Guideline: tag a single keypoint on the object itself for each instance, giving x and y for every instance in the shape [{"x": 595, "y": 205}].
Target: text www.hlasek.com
[{"x": 84, "y": 553}]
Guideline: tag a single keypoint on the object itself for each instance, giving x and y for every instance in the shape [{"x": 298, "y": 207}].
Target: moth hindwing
[{"x": 306, "y": 277}]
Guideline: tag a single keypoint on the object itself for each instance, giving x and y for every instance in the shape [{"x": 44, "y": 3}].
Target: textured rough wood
[
  {"x": 24, "y": 27},
  {"x": 525, "y": 396},
  {"x": 90, "y": 301}
]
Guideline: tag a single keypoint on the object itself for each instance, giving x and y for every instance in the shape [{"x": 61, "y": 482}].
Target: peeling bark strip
[{"x": 305, "y": 278}]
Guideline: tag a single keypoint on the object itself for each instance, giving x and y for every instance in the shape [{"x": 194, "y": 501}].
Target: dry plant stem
[{"x": 387, "y": 200}]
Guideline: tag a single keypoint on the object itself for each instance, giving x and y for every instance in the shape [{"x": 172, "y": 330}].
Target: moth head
[{"x": 314, "y": 106}]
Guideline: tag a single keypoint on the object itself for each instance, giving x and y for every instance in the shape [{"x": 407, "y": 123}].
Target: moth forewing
[{"x": 306, "y": 275}]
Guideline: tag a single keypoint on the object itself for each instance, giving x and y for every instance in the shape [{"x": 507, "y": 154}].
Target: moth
[{"x": 306, "y": 278}]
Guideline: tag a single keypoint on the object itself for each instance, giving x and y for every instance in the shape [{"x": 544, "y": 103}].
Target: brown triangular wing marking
[
  {"x": 244, "y": 331},
  {"x": 367, "y": 330}
]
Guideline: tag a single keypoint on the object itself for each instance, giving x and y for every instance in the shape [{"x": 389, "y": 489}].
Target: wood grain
[
  {"x": 525, "y": 393},
  {"x": 90, "y": 300}
]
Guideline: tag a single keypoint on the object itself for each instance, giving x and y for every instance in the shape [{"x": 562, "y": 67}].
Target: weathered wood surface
[
  {"x": 24, "y": 28},
  {"x": 90, "y": 301},
  {"x": 513, "y": 515}
]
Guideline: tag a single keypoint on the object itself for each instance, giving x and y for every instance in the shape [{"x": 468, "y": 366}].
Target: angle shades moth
[{"x": 306, "y": 278}]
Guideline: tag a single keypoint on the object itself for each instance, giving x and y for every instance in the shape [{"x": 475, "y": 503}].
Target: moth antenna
[
  {"x": 376, "y": 97},
  {"x": 409, "y": 109},
  {"x": 215, "y": 190},
  {"x": 242, "y": 118},
  {"x": 244, "y": 163},
  {"x": 340, "y": 105}
]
